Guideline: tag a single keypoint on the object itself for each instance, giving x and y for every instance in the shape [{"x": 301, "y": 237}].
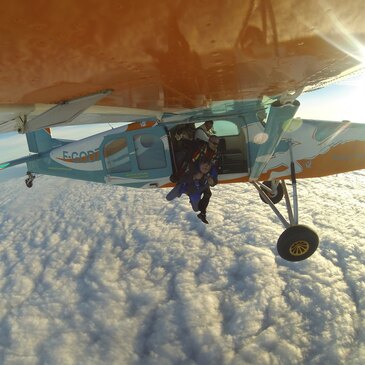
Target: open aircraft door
[
  {"x": 232, "y": 150},
  {"x": 139, "y": 156}
]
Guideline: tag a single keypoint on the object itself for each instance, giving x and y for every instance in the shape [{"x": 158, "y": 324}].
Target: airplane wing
[
  {"x": 167, "y": 58},
  {"x": 11, "y": 116},
  {"x": 63, "y": 113},
  {"x": 28, "y": 118},
  {"x": 172, "y": 62}
]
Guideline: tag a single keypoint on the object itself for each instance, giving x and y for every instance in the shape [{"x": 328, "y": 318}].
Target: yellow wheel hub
[{"x": 299, "y": 248}]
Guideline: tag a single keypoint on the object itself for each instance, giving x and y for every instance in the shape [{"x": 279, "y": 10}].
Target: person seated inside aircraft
[
  {"x": 196, "y": 183},
  {"x": 184, "y": 132},
  {"x": 194, "y": 153},
  {"x": 183, "y": 141},
  {"x": 204, "y": 131}
]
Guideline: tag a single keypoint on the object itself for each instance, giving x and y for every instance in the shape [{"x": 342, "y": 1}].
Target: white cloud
[
  {"x": 12, "y": 147},
  {"x": 97, "y": 274}
]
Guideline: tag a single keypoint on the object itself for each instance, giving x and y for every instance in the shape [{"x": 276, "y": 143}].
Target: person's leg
[
  {"x": 174, "y": 193},
  {"x": 204, "y": 202},
  {"x": 194, "y": 201}
]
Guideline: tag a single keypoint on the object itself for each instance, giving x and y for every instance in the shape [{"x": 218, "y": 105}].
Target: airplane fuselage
[{"x": 142, "y": 154}]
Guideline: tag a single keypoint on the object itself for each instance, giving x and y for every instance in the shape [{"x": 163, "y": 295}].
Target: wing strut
[{"x": 278, "y": 122}]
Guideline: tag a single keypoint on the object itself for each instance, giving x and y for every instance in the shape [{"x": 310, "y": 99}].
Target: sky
[
  {"x": 97, "y": 274},
  {"x": 340, "y": 101}
]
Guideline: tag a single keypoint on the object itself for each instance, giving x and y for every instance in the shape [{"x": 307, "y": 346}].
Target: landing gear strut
[
  {"x": 29, "y": 180},
  {"x": 297, "y": 242},
  {"x": 273, "y": 189}
]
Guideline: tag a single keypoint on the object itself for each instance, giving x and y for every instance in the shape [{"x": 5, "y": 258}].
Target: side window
[
  {"x": 223, "y": 128},
  {"x": 150, "y": 151},
  {"x": 116, "y": 156}
]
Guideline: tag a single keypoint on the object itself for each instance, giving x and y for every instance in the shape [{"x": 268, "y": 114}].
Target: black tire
[
  {"x": 28, "y": 183},
  {"x": 297, "y": 243},
  {"x": 274, "y": 198}
]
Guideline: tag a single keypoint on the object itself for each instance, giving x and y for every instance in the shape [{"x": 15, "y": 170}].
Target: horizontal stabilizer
[{"x": 18, "y": 161}]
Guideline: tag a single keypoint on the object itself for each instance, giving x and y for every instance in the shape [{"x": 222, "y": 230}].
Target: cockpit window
[{"x": 223, "y": 128}]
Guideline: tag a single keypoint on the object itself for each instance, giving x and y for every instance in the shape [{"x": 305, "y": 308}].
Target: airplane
[{"x": 158, "y": 67}]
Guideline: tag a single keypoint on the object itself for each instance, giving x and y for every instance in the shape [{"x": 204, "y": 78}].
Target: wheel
[
  {"x": 275, "y": 198},
  {"x": 29, "y": 183},
  {"x": 297, "y": 243}
]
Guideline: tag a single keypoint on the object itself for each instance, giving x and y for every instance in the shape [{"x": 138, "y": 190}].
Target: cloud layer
[{"x": 96, "y": 274}]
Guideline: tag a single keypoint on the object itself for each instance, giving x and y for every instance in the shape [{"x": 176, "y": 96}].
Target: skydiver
[
  {"x": 200, "y": 149},
  {"x": 196, "y": 184},
  {"x": 207, "y": 150}
]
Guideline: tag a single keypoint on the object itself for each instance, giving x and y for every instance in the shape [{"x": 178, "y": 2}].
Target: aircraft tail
[{"x": 40, "y": 141}]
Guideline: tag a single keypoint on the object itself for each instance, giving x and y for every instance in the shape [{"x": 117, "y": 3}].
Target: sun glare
[
  {"x": 352, "y": 102},
  {"x": 343, "y": 39}
]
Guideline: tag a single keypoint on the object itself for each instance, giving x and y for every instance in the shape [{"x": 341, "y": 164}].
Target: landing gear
[
  {"x": 29, "y": 180},
  {"x": 274, "y": 191},
  {"x": 297, "y": 242}
]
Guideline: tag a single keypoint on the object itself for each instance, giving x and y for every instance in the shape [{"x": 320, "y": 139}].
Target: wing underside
[
  {"x": 160, "y": 56},
  {"x": 80, "y": 111},
  {"x": 166, "y": 58}
]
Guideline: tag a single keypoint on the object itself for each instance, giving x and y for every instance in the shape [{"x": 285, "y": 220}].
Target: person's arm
[
  {"x": 189, "y": 174},
  {"x": 213, "y": 176}
]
